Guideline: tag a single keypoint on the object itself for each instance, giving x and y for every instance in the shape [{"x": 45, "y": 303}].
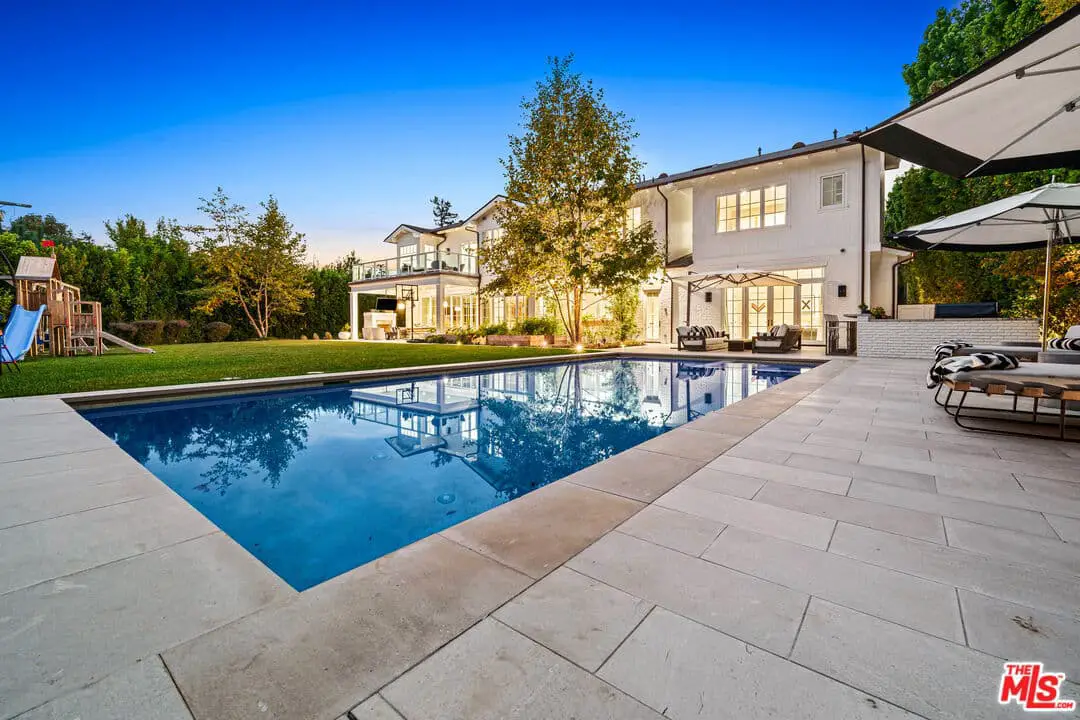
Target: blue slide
[{"x": 19, "y": 334}]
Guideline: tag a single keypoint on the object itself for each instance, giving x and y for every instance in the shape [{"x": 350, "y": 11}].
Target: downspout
[
  {"x": 862, "y": 224},
  {"x": 896, "y": 282},
  {"x": 671, "y": 315}
]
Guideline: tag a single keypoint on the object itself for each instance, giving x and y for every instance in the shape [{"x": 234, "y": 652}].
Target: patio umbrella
[
  {"x": 730, "y": 279},
  {"x": 1032, "y": 220},
  {"x": 1016, "y": 112}
]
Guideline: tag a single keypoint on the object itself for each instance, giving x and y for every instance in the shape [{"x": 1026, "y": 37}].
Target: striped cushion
[{"x": 1065, "y": 343}]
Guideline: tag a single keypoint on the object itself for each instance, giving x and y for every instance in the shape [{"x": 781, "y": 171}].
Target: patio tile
[
  {"x": 537, "y": 532},
  {"x": 783, "y": 473},
  {"x": 685, "y": 670},
  {"x": 971, "y": 487},
  {"x": 950, "y": 506},
  {"x": 1031, "y": 466},
  {"x": 579, "y": 618},
  {"x": 924, "y": 674},
  {"x": 93, "y": 485},
  {"x": 724, "y": 482},
  {"x": 374, "y": 708},
  {"x": 725, "y": 423},
  {"x": 23, "y": 406},
  {"x": 493, "y": 673},
  {"x": 636, "y": 474},
  {"x": 337, "y": 643},
  {"x": 904, "y": 599},
  {"x": 62, "y": 635},
  {"x": 680, "y": 531},
  {"x": 1017, "y": 632},
  {"x": 925, "y": 526},
  {"x": 858, "y": 471},
  {"x": 691, "y": 444},
  {"x": 49, "y": 549},
  {"x": 761, "y": 517},
  {"x": 750, "y": 609},
  {"x": 1051, "y": 488},
  {"x": 1066, "y": 527},
  {"x": 759, "y": 451},
  {"x": 143, "y": 690},
  {"x": 1014, "y": 546},
  {"x": 1024, "y": 584},
  {"x": 37, "y": 436}
]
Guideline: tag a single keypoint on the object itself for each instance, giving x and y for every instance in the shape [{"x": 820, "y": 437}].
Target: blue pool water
[{"x": 315, "y": 482}]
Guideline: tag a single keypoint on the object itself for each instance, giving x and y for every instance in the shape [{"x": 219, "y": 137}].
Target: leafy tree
[
  {"x": 257, "y": 266},
  {"x": 570, "y": 176},
  {"x": 1053, "y": 8},
  {"x": 442, "y": 212}
]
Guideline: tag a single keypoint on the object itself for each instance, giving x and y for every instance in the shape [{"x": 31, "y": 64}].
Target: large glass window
[
  {"x": 757, "y": 311},
  {"x": 727, "y": 213},
  {"x": 832, "y": 190},
  {"x": 752, "y": 208},
  {"x": 783, "y": 310},
  {"x": 775, "y": 205},
  {"x": 734, "y": 300}
]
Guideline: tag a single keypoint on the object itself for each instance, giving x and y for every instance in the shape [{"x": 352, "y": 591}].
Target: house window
[
  {"x": 832, "y": 190},
  {"x": 775, "y": 211},
  {"x": 751, "y": 209},
  {"x": 492, "y": 235},
  {"x": 727, "y": 213},
  {"x": 633, "y": 218}
]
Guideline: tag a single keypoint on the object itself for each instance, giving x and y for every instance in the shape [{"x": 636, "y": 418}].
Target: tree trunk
[{"x": 577, "y": 314}]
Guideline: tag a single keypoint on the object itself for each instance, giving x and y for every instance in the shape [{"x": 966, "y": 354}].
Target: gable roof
[
  {"x": 798, "y": 151},
  {"x": 37, "y": 268},
  {"x": 483, "y": 210}
]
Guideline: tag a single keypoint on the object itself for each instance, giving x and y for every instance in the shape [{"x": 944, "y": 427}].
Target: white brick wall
[{"x": 917, "y": 338}]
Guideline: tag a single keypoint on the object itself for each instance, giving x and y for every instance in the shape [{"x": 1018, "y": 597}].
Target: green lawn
[{"x": 178, "y": 364}]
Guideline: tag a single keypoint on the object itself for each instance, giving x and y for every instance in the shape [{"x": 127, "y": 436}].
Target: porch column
[
  {"x": 439, "y": 299},
  {"x": 354, "y": 319}
]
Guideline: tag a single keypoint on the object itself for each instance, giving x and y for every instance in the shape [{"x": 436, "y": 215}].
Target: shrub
[
  {"x": 327, "y": 336},
  {"x": 148, "y": 332},
  {"x": 537, "y": 326},
  {"x": 495, "y": 329},
  {"x": 315, "y": 336},
  {"x": 437, "y": 339},
  {"x": 125, "y": 331},
  {"x": 465, "y": 335},
  {"x": 877, "y": 312},
  {"x": 624, "y": 311},
  {"x": 216, "y": 331},
  {"x": 303, "y": 337},
  {"x": 174, "y": 330}
]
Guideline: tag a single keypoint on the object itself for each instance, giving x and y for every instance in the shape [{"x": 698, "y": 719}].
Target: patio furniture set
[{"x": 779, "y": 339}]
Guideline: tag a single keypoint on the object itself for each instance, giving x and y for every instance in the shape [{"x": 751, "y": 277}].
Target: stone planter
[
  {"x": 519, "y": 340},
  {"x": 344, "y": 335}
]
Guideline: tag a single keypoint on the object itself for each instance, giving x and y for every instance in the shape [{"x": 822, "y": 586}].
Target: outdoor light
[
  {"x": 579, "y": 347},
  {"x": 401, "y": 305},
  {"x": 446, "y": 303}
]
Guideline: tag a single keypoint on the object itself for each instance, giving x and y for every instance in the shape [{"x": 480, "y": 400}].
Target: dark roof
[
  {"x": 681, "y": 262},
  {"x": 751, "y": 161}
]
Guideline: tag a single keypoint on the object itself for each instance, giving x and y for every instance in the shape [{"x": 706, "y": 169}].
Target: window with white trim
[
  {"x": 752, "y": 208},
  {"x": 633, "y": 218},
  {"x": 492, "y": 235},
  {"x": 832, "y": 190}
]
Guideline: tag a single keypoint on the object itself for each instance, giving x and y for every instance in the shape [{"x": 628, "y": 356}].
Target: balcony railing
[{"x": 418, "y": 264}]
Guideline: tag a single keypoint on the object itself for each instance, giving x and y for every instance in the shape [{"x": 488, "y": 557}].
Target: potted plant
[
  {"x": 346, "y": 332},
  {"x": 864, "y": 309}
]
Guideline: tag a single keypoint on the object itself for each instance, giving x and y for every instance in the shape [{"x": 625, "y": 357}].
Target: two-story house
[{"x": 812, "y": 213}]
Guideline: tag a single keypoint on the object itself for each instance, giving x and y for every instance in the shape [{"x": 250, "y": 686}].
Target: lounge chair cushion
[
  {"x": 948, "y": 349},
  {"x": 947, "y": 368},
  {"x": 1065, "y": 343}
]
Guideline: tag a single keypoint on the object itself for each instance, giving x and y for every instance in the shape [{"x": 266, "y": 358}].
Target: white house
[{"x": 812, "y": 212}]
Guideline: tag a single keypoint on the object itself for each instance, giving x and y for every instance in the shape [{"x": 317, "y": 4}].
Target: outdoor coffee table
[{"x": 737, "y": 345}]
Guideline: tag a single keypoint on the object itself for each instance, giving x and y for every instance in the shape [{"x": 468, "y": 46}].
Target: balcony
[{"x": 418, "y": 264}]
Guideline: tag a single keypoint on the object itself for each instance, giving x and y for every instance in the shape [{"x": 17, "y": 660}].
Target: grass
[{"x": 207, "y": 362}]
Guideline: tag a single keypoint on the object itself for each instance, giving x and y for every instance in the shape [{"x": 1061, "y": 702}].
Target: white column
[
  {"x": 439, "y": 298},
  {"x": 354, "y": 320}
]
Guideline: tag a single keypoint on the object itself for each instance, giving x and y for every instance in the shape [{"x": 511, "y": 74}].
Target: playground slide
[{"x": 109, "y": 337}]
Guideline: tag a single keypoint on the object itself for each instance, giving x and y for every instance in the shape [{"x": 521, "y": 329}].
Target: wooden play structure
[{"x": 70, "y": 325}]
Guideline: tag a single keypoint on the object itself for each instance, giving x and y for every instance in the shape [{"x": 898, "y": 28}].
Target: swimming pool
[{"x": 315, "y": 482}]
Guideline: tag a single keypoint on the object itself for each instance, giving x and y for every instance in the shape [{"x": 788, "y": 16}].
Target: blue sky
[{"x": 354, "y": 114}]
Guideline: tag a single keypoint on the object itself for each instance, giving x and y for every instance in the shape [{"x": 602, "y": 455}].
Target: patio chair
[
  {"x": 780, "y": 339},
  {"x": 701, "y": 338},
  {"x": 18, "y": 335}
]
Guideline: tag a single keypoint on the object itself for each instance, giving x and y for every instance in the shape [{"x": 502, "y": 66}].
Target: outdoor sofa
[
  {"x": 701, "y": 337},
  {"x": 779, "y": 339}
]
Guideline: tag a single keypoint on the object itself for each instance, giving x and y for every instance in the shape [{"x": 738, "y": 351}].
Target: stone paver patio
[{"x": 834, "y": 547}]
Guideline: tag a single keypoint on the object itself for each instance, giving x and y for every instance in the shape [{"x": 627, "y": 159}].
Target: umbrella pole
[{"x": 1046, "y": 287}]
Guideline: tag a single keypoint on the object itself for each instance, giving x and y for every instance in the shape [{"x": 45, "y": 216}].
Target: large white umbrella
[
  {"x": 1032, "y": 220},
  {"x": 738, "y": 278},
  {"x": 1016, "y": 112}
]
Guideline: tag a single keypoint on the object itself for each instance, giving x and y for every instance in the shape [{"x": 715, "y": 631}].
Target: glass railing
[{"x": 418, "y": 264}]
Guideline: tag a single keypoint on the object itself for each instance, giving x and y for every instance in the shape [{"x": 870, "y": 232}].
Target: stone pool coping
[{"x": 203, "y": 614}]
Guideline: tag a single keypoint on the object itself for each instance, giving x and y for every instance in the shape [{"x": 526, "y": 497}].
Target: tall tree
[
  {"x": 257, "y": 265},
  {"x": 570, "y": 176},
  {"x": 442, "y": 212}
]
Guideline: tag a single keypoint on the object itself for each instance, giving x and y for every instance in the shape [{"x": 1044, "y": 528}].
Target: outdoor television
[{"x": 386, "y": 304}]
